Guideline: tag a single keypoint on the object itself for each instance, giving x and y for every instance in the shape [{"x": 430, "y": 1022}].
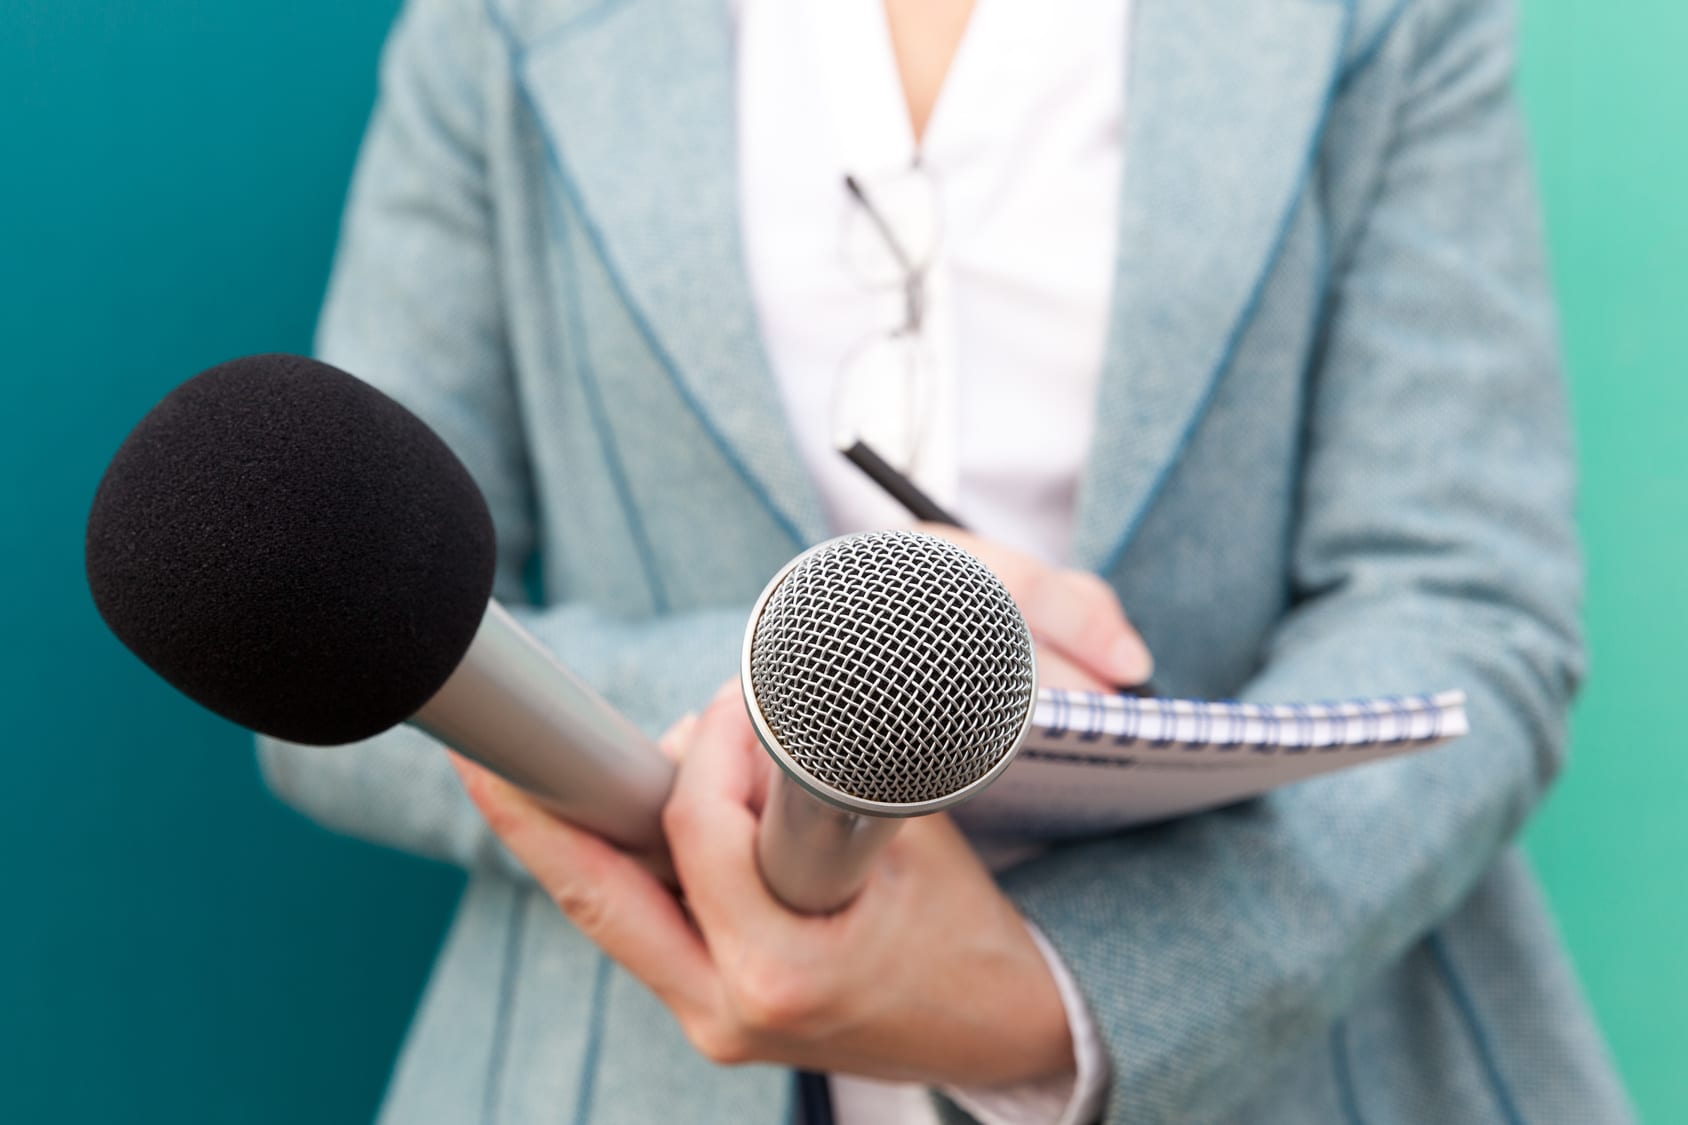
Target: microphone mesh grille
[{"x": 893, "y": 667}]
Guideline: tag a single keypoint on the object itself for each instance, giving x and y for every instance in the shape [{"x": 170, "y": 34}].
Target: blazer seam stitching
[
  {"x": 498, "y": 1052},
  {"x": 600, "y": 419},
  {"x": 1342, "y": 1066},
  {"x": 1318, "y": 326},
  {"x": 1474, "y": 1028},
  {"x": 577, "y": 333},
  {"x": 586, "y": 1089},
  {"x": 566, "y": 180},
  {"x": 1244, "y": 318},
  {"x": 1367, "y": 54}
]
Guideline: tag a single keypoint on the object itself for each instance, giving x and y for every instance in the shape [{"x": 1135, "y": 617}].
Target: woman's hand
[
  {"x": 930, "y": 975},
  {"x": 1083, "y": 638}
]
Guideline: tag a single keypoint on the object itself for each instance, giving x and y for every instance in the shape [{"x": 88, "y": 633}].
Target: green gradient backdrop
[
  {"x": 1608, "y": 98},
  {"x": 176, "y": 947}
]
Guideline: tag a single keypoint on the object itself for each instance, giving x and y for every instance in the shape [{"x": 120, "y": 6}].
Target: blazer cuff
[{"x": 1064, "y": 1099}]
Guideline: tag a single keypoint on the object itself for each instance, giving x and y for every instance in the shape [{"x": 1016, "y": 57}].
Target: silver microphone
[
  {"x": 889, "y": 675},
  {"x": 516, "y": 709}
]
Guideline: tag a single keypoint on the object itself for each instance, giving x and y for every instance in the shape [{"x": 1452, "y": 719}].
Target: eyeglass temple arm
[{"x": 885, "y": 231}]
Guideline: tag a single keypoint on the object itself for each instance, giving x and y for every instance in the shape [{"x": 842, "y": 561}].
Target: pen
[
  {"x": 901, "y": 489},
  {"x": 923, "y": 507}
]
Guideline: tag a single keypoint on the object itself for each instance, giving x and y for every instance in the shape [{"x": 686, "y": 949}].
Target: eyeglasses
[{"x": 885, "y": 390}]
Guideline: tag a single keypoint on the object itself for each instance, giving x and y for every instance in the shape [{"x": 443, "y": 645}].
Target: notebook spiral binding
[{"x": 1226, "y": 725}]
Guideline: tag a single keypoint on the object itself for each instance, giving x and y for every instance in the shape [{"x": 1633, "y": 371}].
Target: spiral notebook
[{"x": 1097, "y": 763}]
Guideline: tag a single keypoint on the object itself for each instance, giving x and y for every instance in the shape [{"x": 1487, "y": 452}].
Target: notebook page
[{"x": 1098, "y": 763}]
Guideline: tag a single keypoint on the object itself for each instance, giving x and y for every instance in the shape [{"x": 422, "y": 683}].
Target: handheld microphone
[
  {"x": 299, "y": 553},
  {"x": 889, "y": 675}
]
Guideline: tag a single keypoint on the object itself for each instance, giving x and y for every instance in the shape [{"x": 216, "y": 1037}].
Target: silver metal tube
[
  {"x": 814, "y": 857},
  {"x": 888, "y": 675},
  {"x": 512, "y": 707}
]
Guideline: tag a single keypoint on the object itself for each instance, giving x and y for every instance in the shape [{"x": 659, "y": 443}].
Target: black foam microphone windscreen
[{"x": 292, "y": 549}]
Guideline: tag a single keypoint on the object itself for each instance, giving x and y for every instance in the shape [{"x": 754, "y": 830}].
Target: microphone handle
[
  {"x": 814, "y": 857},
  {"x": 514, "y": 708}
]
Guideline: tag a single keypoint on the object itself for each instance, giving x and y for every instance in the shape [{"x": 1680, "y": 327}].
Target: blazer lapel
[
  {"x": 636, "y": 102},
  {"x": 1225, "y": 106}
]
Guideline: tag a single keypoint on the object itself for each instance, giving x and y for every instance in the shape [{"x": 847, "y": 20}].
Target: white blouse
[
  {"x": 1015, "y": 209},
  {"x": 1007, "y": 212}
]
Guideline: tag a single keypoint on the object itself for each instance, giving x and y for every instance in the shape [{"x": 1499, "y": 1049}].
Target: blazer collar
[
  {"x": 1225, "y": 106},
  {"x": 636, "y": 103},
  {"x": 1224, "y": 111}
]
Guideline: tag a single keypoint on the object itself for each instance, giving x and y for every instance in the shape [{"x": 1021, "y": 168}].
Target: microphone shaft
[
  {"x": 815, "y": 857},
  {"x": 514, "y": 708}
]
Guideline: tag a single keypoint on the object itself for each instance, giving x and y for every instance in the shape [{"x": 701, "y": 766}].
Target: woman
[{"x": 1229, "y": 313}]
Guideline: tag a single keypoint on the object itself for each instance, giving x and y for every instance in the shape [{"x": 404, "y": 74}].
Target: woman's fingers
[
  {"x": 604, "y": 892},
  {"x": 711, "y": 825},
  {"x": 675, "y": 740},
  {"x": 1055, "y": 671},
  {"x": 1071, "y": 611},
  {"x": 1078, "y": 613}
]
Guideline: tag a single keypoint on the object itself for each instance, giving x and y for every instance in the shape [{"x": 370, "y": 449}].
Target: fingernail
[
  {"x": 1131, "y": 662},
  {"x": 674, "y": 742},
  {"x": 1055, "y": 610}
]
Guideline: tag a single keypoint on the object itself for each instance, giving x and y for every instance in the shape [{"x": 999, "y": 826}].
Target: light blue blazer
[{"x": 1331, "y": 459}]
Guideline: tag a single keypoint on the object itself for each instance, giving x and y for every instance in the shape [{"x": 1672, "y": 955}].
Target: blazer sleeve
[
  {"x": 414, "y": 307},
  {"x": 1435, "y": 548}
]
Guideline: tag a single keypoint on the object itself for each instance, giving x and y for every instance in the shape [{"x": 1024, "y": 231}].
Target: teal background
[
  {"x": 1607, "y": 93},
  {"x": 177, "y": 947}
]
